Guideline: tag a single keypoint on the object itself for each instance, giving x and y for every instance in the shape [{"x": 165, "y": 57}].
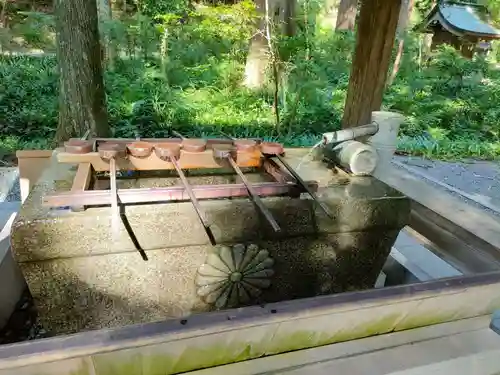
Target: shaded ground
[{"x": 23, "y": 324}]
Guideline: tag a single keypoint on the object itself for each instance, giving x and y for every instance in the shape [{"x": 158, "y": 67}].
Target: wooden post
[{"x": 377, "y": 25}]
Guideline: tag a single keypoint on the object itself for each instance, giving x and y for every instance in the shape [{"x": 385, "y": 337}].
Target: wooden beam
[
  {"x": 82, "y": 178},
  {"x": 377, "y": 26},
  {"x": 188, "y": 160},
  {"x": 34, "y": 154},
  {"x": 81, "y": 182},
  {"x": 31, "y": 164}
]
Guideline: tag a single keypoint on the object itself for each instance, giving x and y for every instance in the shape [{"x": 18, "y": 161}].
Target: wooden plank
[
  {"x": 31, "y": 165},
  {"x": 81, "y": 182},
  {"x": 188, "y": 160},
  {"x": 82, "y": 178},
  {"x": 34, "y": 153},
  {"x": 465, "y": 222}
]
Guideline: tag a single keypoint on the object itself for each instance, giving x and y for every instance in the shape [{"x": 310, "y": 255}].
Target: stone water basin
[{"x": 83, "y": 276}]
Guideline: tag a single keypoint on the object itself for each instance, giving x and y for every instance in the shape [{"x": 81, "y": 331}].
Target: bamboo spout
[{"x": 350, "y": 134}]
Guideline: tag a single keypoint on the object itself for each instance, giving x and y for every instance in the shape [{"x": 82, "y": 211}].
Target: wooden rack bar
[
  {"x": 194, "y": 201},
  {"x": 174, "y": 193},
  {"x": 254, "y": 196}
]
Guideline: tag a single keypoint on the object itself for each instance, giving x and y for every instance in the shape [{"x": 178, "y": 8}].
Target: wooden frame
[
  {"x": 174, "y": 193},
  {"x": 80, "y": 196}
]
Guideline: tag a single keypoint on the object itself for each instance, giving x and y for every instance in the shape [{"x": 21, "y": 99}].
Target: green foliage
[
  {"x": 31, "y": 30},
  {"x": 152, "y": 8},
  {"x": 183, "y": 70},
  {"x": 424, "y": 6},
  {"x": 28, "y": 98},
  {"x": 451, "y": 99},
  {"x": 493, "y": 7}
]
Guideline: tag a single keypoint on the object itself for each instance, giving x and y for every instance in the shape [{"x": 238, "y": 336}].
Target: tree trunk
[
  {"x": 105, "y": 17},
  {"x": 377, "y": 25},
  {"x": 281, "y": 13},
  {"x": 290, "y": 12},
  {"x": 404, "y": 20},
  {"x": 404, "y": 16},
  {"x": 427, "y": 38},
  {"x": 397, "y": 62},
  {"x": 346, "y": 15},
  {"x": 258, "y": 54},
  {"x": 3, "y": 14},
  {"x": 82, "y": 101}
]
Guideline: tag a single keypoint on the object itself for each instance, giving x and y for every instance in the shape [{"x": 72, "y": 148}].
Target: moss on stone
[
  {"x": 417, "y": 321},
  {"x": 193, "y": 358}
]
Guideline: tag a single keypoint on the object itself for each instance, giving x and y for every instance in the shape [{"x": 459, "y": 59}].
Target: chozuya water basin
[{"x": 82, "y": 277}]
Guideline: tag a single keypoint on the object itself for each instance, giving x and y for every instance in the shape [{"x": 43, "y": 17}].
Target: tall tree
[
  {"x": 82, "y": 101},
  {"x": 3, "y": 13},
  {"x": 258, "y": 53},
  {"x": 346, "y": 15},
  {"x": 404, "y": 20},
  {"x": 376, "y": 31},
  {"x": 424, "y": 7},
  {"x": 105, "y": 17},
  {"x": 273, "y": 16}
]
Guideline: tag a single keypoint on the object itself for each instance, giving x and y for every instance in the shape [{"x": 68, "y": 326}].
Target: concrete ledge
[
  {"x": 223, "y": 337},
  {"x": 444, "y": 349},
  {"x": 11, "y": 280}
]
